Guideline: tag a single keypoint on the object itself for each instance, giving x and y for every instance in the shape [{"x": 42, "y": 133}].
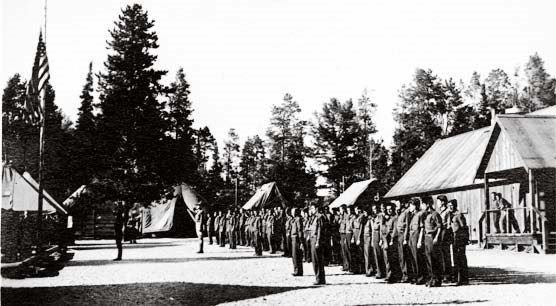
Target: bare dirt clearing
[{"x": 169, "y": 272}]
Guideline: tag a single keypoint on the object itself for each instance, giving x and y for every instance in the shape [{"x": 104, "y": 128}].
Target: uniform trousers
[
  {"x": 317, "y": 255},
  {"x": 434, "y": 260},
  {"x": 418, "y": 261},
  {"x": 404, "y": 256},
  {"x": 460, "y": 260},
  {"x": 297, "y": 255},
  {"x": 370, "y": 268},
  {"x": 378, "y": 255}
]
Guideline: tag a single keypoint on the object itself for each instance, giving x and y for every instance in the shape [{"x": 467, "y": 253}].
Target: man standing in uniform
[
  {"x": 416, "y": 231},
  {"x": 335, "y": 238},
  {"x": 446, "y": 238},
  {"x": 317, "y": 233},
  {"x": 222, "y": 229},
  {"x": 307, "y": 243},
  {"x": 210, "y": 226},
  {"x": 461, "y": 238},
  {"x": 350, "y": 242},
  {"x": 370, "y": 268},
  {"x": 402, "y": 229},
  {"x": 358, "y": 223},
  {"x": 270, "y": 231},
  {"x": 378, "y": 220},
  {"x": 343, "y": 243},
  {"x": 199, "y": 227},
  {"x": 119, "y": 222},
  {"x": 433, "y": 230},
  {"x": 389, "y": 244},
  {"x": 257, "y": 232},
  {"x": 296, "y": 234},
  {"x": 217, "y": 227},
  {"x": 289, "y": 243}
]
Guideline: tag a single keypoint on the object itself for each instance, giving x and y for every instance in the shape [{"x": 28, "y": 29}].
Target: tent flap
[{"x": 159, "y": 218}]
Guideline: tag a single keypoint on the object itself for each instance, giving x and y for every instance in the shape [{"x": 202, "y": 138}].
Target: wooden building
[
  {"x": 521, "y": 152},
  {"x": 515, "y": 157}
]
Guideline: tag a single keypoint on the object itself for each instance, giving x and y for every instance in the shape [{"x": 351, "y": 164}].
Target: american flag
[{"x": 34, "y": 105}]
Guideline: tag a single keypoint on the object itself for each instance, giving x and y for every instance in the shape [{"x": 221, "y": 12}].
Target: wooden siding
[{"x": 504, "y": 156}]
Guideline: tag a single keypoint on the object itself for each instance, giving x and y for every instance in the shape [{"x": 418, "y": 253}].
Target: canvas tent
[
  {"x": 169, "y": 215},
  {"x": 21, "y": 193},
  {"x": 267, "y": 195},
  {"x": 364, "y": 190}
]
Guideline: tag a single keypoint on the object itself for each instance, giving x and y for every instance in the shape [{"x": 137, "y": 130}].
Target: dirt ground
[{"x": 169, "y": 272}]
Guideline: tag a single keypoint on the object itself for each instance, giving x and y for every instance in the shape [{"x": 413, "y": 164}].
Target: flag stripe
[{"x": 39, "y": 78}]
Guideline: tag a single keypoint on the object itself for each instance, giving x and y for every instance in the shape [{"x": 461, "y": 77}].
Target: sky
[{"x": 241, "y": 57}]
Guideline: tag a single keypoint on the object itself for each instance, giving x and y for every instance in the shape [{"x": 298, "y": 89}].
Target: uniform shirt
[
  {"x": 296, "y": 227},
  {"x": 342, "y": 224},
  {"x": 199, "y": 221},
  {"x": 446, "y": 216},
  {"x": 350, "y": 224},
  {"x": 417, "y": 221},
  {"x": 459, "y": 224},
  {"x": 307, "y": 225},
  {"x": 368, "y": 228},
  {"x": 288, "y": 225},
  {"x": 216, "y": 223},
  {"x": 230, "y": 223},
  {"x": 402, "y": 224},
  {"x": 270, "y": 224},
  {"x": 317, "y": 230},
  {"x": 358, "y": 224},
  {"x": 388, "y": 230},
  {"x": 433, "y": 222},
  {"x": 377, "y": 222}
]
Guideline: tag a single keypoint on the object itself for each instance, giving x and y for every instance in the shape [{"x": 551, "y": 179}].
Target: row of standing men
[{"x": 409, "y": 243}]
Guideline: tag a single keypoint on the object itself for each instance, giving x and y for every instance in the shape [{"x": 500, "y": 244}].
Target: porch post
[
  {"x": 531, "y": 200},
  {"x": 487, "y": 204}
]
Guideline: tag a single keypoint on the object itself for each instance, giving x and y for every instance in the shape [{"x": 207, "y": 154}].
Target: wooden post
[
  {"x": 487, "y": 204},
  {"x": 531, "y": 200}
]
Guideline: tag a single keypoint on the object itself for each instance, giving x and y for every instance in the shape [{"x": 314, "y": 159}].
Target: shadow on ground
[
  {"x": 102, "y": 246},
  {"x": 174, "y": 293},
  {"x": 103, "y": 262},
  {"x": 497, "y": 276},
  {"x": 452, "y": 302}
]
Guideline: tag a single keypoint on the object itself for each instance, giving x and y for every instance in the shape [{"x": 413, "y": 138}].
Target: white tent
[
  {"x": 350, "y": 195},
  {"x": 21, "y": 193},
  {"x": 267, "y": 195}
]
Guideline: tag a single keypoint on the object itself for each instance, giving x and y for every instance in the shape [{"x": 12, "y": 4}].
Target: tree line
[{"x": 138, "y": 140}]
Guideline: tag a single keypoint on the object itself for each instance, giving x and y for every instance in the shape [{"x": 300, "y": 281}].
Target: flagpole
[{"x": 41, "y": 153}]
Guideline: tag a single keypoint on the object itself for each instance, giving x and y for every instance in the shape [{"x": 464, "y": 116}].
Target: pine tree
[
  {"x": 420, "y": 116},
  {"x": 336, "y": 134},
  {"x": 132, "y": 121},
  {"x": 181, "y": 162},
  {"x": 19, "y": 138},
  {"x": 287, "y": 153},
  {"x": 540, "y": 88},
  {"x": 85, "y": 146}
]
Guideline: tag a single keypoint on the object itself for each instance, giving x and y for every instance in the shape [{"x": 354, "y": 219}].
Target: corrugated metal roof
[
  {"x": 534, "y": 138},
  {"x": 449, "y": 163}
]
